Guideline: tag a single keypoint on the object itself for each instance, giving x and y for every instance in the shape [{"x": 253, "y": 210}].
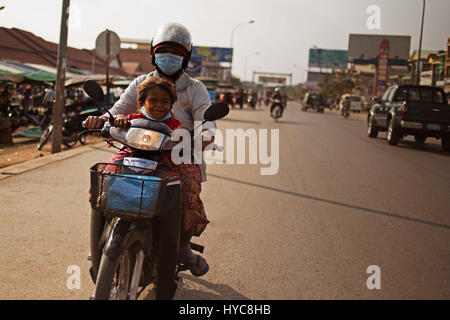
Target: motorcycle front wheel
[
  {"x": 82, "y": 139},
  {"x": 114, "y": 277},
  {"x": 277, "y": 113},
  {"x": 44, "y": 138}
]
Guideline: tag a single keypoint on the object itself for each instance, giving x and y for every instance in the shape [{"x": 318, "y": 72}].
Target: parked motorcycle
[
  {"x": 136, "y": 211},
  {"x": 72, "y": 126},
  {"x": 20, "y": 119}
]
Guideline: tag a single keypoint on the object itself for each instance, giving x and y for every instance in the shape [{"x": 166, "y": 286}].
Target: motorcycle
[
  {"x": 72, "y": 126},
  {"x": 345, "y": 113},
  {"x": 251, "y": 102},
  {"x": 276, "y": 109},
  {"x": 20, "y": 119},
  {"x": 136, "y": 211}
]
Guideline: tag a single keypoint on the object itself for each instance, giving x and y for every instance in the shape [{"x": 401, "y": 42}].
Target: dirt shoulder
[{"x": 25, "y": 150}]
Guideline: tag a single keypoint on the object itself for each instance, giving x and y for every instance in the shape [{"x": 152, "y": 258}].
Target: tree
[
  {"x": 235, "y": 81},
  {"x": 340, "y": 82}
]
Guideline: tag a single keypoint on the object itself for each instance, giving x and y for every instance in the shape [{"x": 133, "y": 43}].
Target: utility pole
[
  {"x": 60, "y": 79},
  {"x": 420, "y": 46},
  {"x": 107, "y": 66}
]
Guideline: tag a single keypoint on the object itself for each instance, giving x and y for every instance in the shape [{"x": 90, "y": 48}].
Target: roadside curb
[
  {"x": 359, "y": 116},
  {"x": 40, "y": 162}
]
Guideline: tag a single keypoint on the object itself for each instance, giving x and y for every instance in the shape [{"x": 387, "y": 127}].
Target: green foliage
[
  {"x": 339, "y": 82},
  {"x": 236, "y": 82}
]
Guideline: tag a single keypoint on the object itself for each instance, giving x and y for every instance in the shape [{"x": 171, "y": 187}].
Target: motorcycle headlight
[{"x": 144, "y": 139}]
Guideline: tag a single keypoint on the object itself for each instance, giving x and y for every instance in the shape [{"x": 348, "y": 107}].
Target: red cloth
[{"x": 171, "y": 122}]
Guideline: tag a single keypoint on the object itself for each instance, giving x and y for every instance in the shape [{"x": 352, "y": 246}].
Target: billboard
[
  {"x": 324, "y": 58},
  {"x": 214, "y": 70},
  {"x": 382, "y": 68},
  {"x": 316, "y": 76},
  {"x": 195, "y": 66},
  {"x": 268, "y": 79},
  {"x": 213, "y": 54},
  {"x": 363, "y": 48}
]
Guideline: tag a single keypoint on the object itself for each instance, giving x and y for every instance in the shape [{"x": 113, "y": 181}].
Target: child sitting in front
[{"x": 155, "y": 99}]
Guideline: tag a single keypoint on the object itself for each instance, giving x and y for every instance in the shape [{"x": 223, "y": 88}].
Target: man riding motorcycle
[
  {"x": 346, "y": 107},
  {"x": 171, "y": 50},
  {"x": 277, "y": 96}
]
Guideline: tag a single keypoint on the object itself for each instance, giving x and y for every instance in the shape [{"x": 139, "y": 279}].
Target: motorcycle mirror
[
  {"x": 216, "y": 111},
  {"x": 94, "y": 91}
]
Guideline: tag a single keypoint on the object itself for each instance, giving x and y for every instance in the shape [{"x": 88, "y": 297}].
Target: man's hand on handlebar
[{"x": 93, "y": 122}]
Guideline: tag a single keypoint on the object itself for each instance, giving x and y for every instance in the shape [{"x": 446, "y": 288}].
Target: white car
[{"x": 355, "y": 102}]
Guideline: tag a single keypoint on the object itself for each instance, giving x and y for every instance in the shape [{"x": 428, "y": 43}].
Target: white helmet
[{"x": 174, "y": 35}]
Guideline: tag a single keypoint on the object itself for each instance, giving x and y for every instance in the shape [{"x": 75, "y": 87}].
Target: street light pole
[
  {"x": 60, "y": 79},
  {"x": 245, "y": 66},
  {"x": 231, "y": 40},
  {"x": 420, "y": 46}
]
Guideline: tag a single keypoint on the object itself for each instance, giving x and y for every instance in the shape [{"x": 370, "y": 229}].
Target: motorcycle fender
[{"x": 123, "y": 233}]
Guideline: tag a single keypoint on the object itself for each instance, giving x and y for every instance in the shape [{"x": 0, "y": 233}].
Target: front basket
[{"x": 126, "y": 191}]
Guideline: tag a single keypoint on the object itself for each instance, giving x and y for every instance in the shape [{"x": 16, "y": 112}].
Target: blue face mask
[
  {"x": 144, "y": 112},
  {"x": 168, "y": 63}
]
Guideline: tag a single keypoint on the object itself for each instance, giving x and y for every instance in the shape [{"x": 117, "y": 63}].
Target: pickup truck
[
  {"x": 313, "y": 101},
  {"x": 422, "y": 111}
]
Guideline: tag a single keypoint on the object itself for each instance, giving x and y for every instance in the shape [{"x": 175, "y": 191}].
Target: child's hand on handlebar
[{"x": 121, "y": 121}]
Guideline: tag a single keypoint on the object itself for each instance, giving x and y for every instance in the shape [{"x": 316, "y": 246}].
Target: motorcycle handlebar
[{"x": 83, "y": 124}]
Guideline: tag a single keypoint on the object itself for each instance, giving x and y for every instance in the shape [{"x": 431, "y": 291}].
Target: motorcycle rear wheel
[{"x": 71, "y": 141}]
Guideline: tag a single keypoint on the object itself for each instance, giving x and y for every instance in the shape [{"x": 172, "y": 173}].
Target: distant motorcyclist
[
  {"x": 259, "y": 98},
  {"x": 241, "y": 97},
  {"x": 276, "y": 98},
  {"x": 252, "y": 99},
  {"x": 346, "y": 106},
  {"x": 277, "y": 94}
]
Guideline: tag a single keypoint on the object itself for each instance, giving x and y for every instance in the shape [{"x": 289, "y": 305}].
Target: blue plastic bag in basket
[{"x": 138, "y": 195}]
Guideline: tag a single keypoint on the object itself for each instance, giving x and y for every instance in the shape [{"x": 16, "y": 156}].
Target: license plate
[
  {"x": 139, "y": 162},
  {"x": 433, "y": 126}
]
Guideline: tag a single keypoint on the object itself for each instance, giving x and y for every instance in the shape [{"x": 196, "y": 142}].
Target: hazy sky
[{"x": 283, "y": 31}]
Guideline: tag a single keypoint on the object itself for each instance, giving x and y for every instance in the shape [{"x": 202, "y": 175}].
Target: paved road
[{"x": 339, "y": 203}]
